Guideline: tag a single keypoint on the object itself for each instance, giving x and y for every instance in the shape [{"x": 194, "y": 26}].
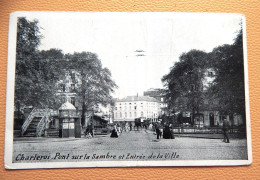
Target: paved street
[{"x": 134, "y": 145}]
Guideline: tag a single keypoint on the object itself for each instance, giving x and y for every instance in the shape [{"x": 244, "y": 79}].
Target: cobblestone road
[{"x": 134, "y": 145}]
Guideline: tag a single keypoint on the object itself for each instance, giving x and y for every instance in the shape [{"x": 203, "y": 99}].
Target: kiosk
[{"x": 69, "y": 121}]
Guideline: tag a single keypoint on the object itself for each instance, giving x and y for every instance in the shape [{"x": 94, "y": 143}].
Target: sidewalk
[{"x": 197, "y": 135}]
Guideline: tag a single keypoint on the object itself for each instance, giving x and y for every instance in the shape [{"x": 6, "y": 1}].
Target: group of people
[
  {"x": 118, "y": 129},
  {"x": 164, "y": 130}
]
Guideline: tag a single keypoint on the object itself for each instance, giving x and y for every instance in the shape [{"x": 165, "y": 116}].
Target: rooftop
[
  {"x": 67, "y": 106},
  {"x": 137, "y": 98}
]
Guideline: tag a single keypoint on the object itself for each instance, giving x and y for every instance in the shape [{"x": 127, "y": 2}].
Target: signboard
[
  {"x": 71, "y": 125},
  {"x": 65, "y": 126}
]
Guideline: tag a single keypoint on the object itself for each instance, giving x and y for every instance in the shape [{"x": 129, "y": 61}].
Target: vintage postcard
[{"x": 113, "y": 89}]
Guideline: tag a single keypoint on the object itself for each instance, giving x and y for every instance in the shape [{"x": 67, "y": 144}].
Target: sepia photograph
[{"x": 118, "y": 89}]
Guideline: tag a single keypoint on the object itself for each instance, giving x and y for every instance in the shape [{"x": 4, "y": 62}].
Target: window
[
  {"x": 72, "y": 86},
  {"x": 125, "y": 114},
  {"x": 72, "y": 100},
  {"x": 192, "y": 87},
  {"x": 130, "y": 114},
  {"x": 73, "y": 76},
  {"x": 62, "y": 87},
  {"x": 210, "y": 74},
  {"x": 135, "y": 114},
  {"x": 64, "y": 99},
  {"x": 120, "y": 115},
  {"x": 142, "y": 114}
]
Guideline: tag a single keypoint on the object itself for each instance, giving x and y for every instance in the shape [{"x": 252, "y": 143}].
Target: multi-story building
[
  {"x": 159, "y": 95},
  {"x": 131, "y": 107},
  {"x": 67, "y": 86},
  {"x": 155, "y": 93}
]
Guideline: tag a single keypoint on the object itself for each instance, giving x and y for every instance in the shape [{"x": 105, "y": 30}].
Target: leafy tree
[
  {"x": 184, "y": 88},
  {"x": 228, "y": 85},
  {"x": 37, "y": 73},
  {"x": 94, "y": 83},
  {"x": 52, "y": 54},
  {"x": 28, "y": 38},
  {"x": 35, "y": 76},
  {"x": 184, "y": 83}
]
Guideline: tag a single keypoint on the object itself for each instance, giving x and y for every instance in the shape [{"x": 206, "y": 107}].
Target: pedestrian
[
  {"x": 171, "y": 131},
  {"x": 131, "y": 126},
  {"x": 91, "y": 130},
  {"x": 157, "y": 130},
  {"x": 119, "y": 129},
  {"x": 127, "y": 127},
  {"x": 161, "y": 129},
  {"x": 114, "y": 133},
  {"x": 167, "y": 132},
  {"x": 225, "y": 130},
  {"x": 88, "y": 133}
]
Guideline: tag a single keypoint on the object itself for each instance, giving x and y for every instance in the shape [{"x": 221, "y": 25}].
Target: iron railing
[{"x": 35, "y": 113}]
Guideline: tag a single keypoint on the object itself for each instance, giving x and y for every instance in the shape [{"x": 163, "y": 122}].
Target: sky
[{"x": 115, "y": 37}]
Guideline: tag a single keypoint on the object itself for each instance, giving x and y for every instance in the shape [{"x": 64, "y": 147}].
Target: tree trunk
[
  {"x": 83, "y": 118},
  {"x": 193, "y": 116}
]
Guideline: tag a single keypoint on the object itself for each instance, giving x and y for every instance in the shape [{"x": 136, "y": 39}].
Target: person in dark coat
[
  {"x": 225, "y": 130},
  {"x": 131, "y": 126},
  {"x": 91, "y": 130},
  {"x": 157, "y": 130},
  {"x": 114, "y": 133},
  {"x": 167, "y": 132}
]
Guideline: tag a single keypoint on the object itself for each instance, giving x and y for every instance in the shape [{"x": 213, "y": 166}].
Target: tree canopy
[
  {"x": 37, "y": 72},
  {"x": 34, "y": 78},
  {"x": 228, "y": 85},
  {"x": 184, "y": 82},
  {"x": 95, "y": 84}
]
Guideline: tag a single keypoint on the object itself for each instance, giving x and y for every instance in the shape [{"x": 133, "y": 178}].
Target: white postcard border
[{"x": 10, "y": 110}]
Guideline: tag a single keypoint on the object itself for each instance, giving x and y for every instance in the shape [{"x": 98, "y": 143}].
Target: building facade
[
  {"x": 159, "y": 95},
  {"x": 67, "y": 86},
  {"x": 131, "y": 107}
]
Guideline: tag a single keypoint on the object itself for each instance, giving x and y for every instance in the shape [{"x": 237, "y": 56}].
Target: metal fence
[{"x": 209, "y": 130}]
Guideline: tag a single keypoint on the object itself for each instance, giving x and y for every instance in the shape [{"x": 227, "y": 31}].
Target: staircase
[
  {"x": 35, "y": 123},
  {"x": 31, "y": 130},
  {"x": 53, "y": 132}
]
